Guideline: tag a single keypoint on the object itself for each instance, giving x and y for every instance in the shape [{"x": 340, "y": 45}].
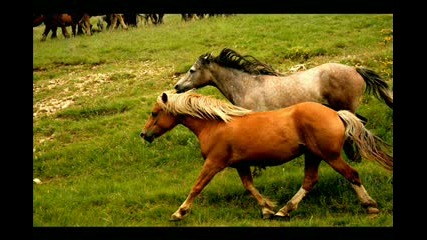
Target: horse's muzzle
[
  {"x": 147, "y": 136},
  {"x": 179, "y": 89}
]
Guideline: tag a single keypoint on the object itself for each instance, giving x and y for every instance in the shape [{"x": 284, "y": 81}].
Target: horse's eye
[
  {"x": 154, "y": 114},
  {"x": 192, "y": 70}
]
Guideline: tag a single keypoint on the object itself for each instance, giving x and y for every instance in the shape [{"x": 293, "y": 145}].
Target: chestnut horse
[
  {"x": 231, "y": 136},
  {"x": 249, "y": 83}
]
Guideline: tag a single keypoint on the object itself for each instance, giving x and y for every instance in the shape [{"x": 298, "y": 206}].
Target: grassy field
[{"x": 93, "y": 94}]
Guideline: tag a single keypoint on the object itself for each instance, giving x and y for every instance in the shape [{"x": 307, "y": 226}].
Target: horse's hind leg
[
  {"x": 311, "y": 176},
  {"x": 352, "y": 176},
  {"x": 351, "y": 151},
  {"x": 266, "y": 204}
]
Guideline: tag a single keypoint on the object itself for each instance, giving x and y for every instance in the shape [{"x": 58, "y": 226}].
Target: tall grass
[{"x": 93, "y": 94}]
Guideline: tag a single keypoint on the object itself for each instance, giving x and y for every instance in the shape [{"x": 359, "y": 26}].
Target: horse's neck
[
  {"x": 233, "y": 84},
  {"x": 198, "y": 126}
]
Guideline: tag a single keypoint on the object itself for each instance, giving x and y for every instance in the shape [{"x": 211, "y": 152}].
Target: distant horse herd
[{"x": 80, "y": 23}]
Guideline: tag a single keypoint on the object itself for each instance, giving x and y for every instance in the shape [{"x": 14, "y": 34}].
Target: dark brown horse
[
  {"x": 231, "y": 136},
  {"x": 77, "y": 22}
]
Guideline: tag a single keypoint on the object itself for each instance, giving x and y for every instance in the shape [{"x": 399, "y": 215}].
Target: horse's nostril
[{"x": 142, "y": 135}]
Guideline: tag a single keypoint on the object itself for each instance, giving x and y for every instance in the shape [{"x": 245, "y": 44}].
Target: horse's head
[
  {"x": 38, "y": 19},
  {"x": 159, "y": 122},
  {"x": 197, "y": 77}
]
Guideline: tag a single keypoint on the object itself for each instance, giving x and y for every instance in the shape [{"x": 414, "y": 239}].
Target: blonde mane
[{"x": 200, "y": 106}]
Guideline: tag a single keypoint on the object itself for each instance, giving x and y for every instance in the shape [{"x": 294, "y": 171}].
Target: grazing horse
[
  {"x": 77, "y": 22},
  {"x": 231, "y": 136},
  {"x": 249, "y": 83},
  {"x": 53, "y": 21},
  {"x": 84, "y": 25}
]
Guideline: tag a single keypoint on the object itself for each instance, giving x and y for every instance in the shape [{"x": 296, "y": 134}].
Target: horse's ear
[
  {"x": 206, "y": 57},
  {"x": 164, "y": 97}
]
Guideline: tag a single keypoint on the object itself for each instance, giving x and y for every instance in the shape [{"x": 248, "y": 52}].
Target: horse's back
[
  {"x": 312, "y": 111},
  {"x": 66, "y": 19},
  {"x": 298, "y": 117},
  {"x": 334, "y": 84},
  {"x": 58, "y": 20}
]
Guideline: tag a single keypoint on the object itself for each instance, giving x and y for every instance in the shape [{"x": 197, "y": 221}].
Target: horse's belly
[{"x": 259, "y": 157}]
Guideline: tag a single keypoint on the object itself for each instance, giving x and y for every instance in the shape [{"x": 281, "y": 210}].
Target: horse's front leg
[
  {"x": 266, "y": 205},
  {"x": 74, "y": 29},
  {"x": 46, "y": 31},
  {"x": 210, "y": 169}
]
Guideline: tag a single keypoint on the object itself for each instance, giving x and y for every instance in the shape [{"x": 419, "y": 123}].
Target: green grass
[{"x": 93, "y": 94}]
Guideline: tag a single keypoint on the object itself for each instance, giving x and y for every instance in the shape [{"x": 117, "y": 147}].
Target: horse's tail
[
  {"x": 370, "y": 146},
  {"x": 376, "y": 84}
]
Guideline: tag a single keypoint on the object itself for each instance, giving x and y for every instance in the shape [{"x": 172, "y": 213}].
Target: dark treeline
[{"x": 101, "y": 7}]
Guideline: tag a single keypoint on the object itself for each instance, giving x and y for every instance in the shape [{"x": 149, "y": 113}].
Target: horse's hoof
[
  {"x": 373, "y": 210},
  {"x": 175, "y": 218},
  {"x": 282, "y": 215},
  {"x": 285, "y": 218},
  {"x": 267, "y": 213}
]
